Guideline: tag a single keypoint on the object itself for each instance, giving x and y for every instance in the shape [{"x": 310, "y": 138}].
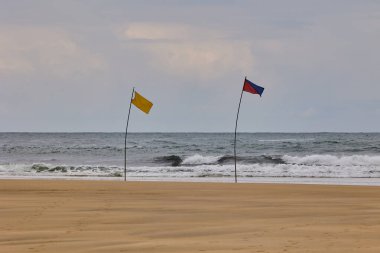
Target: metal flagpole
[
  {"x": 125, "y": 139},
  {"x": 237, "y": 117}
]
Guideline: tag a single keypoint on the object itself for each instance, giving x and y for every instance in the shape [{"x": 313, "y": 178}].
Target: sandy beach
[{"x": 102, "y": 216}]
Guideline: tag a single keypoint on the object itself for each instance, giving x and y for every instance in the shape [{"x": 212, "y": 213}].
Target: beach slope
[{"x": 102, "y": 216}]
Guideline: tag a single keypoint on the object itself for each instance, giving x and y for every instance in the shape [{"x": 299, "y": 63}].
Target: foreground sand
[{"x": 98, "y": 216}]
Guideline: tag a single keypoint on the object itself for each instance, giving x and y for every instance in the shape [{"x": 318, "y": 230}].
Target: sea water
[{"x": 332, "y": 158}]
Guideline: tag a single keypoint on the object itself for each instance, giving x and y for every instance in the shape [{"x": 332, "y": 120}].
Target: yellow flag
[{"x": 142, "y": 103}]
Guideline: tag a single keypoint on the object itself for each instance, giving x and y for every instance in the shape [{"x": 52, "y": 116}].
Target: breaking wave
[
  {"x": 198, "y": 166},
  {"x": 197, "y": 159},
  {"x": 309, "y": 160},
  {"x": 331, "y": 160},
  {"x": 42, "y": 169},
  {"x": 172, "y": 160}
]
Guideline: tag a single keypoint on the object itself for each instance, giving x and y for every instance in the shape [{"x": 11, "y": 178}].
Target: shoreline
[
  {"x": 257, "y": 180},
  {"x": 109, "y": 216}
]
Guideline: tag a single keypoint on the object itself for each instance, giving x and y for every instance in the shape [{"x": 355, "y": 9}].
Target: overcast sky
[{"x": 71, "y": 65}]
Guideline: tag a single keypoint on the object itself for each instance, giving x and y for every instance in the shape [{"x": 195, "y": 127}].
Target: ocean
[{"x": 323, "y": 158}]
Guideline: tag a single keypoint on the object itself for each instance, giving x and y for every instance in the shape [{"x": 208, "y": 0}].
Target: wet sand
[{"x": 103, "y": 216}]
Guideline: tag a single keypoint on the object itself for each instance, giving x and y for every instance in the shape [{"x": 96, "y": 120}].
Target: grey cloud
[{"x": 318, "y": 61}]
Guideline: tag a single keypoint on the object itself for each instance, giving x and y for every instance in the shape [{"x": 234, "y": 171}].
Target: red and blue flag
[{"x": 252, "y": 88}]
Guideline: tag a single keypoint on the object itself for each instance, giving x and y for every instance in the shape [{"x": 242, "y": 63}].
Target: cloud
[
  {"x": 203, "y": 59},
  {"x": 189, "y": 50},
  {"x": 33, "y": 49},
  {"x": 168, "y": 31}
]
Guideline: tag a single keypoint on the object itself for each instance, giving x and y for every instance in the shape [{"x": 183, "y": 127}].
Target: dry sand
[{"x": 100, "y": 216}]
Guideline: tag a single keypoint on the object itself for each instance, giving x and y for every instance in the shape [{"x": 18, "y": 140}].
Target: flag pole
[
  {"x": 125, "y": 138},
  {"x": 237, "y": 117}
]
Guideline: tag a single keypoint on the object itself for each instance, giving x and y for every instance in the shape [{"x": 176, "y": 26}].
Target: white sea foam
[
  {"x": 354, "y": 160},
  {"x": 44, "y": 169},
  {"x": 197, "y": 166},
  {"x": 199, "y": 159}
]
